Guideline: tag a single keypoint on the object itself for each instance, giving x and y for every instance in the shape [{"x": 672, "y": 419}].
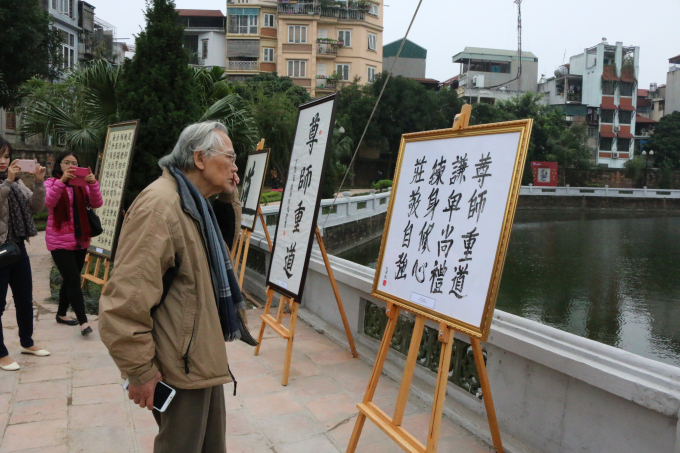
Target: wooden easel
[
  {"x": 392, "y": 425},
  {"x": 94, "y": 277},
  {"x": 289, "y": 333},
  {"x": 244, "y": 243}
]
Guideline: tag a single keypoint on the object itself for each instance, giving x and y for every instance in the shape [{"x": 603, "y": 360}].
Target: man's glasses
[{"x": 231, "y": 156}]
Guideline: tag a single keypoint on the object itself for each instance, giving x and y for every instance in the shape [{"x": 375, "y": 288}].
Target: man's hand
[{"x": 143, "y": 394}]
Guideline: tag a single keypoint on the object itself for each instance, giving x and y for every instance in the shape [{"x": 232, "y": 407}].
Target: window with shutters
[
  {"x": 607, "y": 116},
  {"x": 371, "y": 74},
  {"x": 268, "y": 54},
  {"x": 297, "y": 33},
  {"x": 625, "y": 117},
  {"x": 606, "y": 143},
  {"x": 204, "y": 48},
  {"x": 343, "y": 71},
  {"x": 373, "y": 9},
  {"x": 10, "y": 120},
  {"x": 371, "y": 41},
  {"x": 345, "y": 36},
  {"x": 269, "y": 20},
  {"x": 297, "y": 68}
]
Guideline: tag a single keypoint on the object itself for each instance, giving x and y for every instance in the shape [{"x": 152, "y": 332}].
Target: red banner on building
[{"x": 545, "y": 173}]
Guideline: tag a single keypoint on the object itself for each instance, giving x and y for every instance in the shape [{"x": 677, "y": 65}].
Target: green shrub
[
  {"x": 271, "y": 196},
  {"x": 382, "y": 184}
]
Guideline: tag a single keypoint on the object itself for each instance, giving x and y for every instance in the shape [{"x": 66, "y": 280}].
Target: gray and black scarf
[
  {"x": 227, "y": 292},
  {"x": 20, "y": 225}
]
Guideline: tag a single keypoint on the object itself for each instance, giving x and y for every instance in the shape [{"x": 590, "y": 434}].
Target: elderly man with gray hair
[{"x": 173, "y": 300}]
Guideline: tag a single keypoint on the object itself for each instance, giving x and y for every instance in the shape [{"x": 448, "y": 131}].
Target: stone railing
[
  {"x": 242, "y": 66},
  {"x": 605, "y": 191},
  {"x": 554, "y": 392},
  {"x": 312, "y": 10}
]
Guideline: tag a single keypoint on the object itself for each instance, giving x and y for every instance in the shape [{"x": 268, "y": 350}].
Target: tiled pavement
[{"x": 72, "y": 401}]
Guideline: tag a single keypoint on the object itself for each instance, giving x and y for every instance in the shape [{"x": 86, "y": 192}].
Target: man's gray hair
[{"x": 196, "y": 137}]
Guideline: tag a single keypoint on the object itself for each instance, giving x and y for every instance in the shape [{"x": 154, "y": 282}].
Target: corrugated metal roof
[
  {"x": 481, "y": 53},
  {"x": 674, "y": 60},
  {"x": 200, "y": 12},
  {"x": 410, "y": 50},
  {"x": 639, "y": 119}
]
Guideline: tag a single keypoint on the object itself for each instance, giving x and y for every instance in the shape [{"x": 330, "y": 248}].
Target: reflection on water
[{"x": 612, "y": 277}]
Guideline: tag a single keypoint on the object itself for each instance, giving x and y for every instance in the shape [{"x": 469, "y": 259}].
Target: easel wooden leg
[
  {"x": 88, "y": 261},
  {"x": 235, "y": 256},
  {"x": 245, "y": 258},
  {"x": 341, "y": 308},
  {"x": 393, "y": 315},
  {"x": 264, "y": 227},
  {"x": 410, "y": 367},
  {"x": 446, "y": 337},
  {"x": 270, "y": 296},
  {"x": 486, "y": 392},
  {"x": 289, "y": 347}
]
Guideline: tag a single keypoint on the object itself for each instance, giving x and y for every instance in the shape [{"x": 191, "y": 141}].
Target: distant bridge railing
[{"x": 605, "y": 191}]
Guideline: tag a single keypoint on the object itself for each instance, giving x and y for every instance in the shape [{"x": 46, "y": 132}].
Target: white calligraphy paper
[
  {"x": 300, "y": 202},
  {"x": 445, "y": 226},
  {"x": 113, "y": 180},
  {"x": 252, "y": 187}
]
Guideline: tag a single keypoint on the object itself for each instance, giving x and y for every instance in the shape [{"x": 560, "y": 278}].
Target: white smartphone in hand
[
  {"x": 27, "y": 165},
  {"x": 162, "y": 395}
]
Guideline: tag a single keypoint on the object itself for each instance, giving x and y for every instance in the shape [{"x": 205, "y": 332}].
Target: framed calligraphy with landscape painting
[
  {"x": 115, "y": 172},
  {"x": 449, "y": 220},
  {"x": 301, "y": 199},
  {"x": 253, "y": 181}
]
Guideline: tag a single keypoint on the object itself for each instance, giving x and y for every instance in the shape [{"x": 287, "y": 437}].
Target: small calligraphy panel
[
  {"x": 300, "y": 203},
  {"x": 253, "y": 180},
  {"x": 118, "y": 152},
  {"x": 447, "y": 216}
]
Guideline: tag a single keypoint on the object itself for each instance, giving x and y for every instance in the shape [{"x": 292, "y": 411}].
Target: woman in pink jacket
[{"x": 68, "y": 233}]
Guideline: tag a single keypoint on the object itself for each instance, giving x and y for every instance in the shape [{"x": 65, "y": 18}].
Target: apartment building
[
  {"x": 204, "y": 32},
  {"x": 487, "y": 75},
  {"x": 601, "y": 84},
  {"x": 673, "y": 85},
  {"x": 321, "y": 45}
]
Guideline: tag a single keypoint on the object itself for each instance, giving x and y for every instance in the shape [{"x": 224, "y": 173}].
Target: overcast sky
[{"x": 445, "y": 27}]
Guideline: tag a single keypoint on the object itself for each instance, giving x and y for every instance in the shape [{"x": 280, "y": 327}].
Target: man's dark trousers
[{"x": 194, "y": 422}]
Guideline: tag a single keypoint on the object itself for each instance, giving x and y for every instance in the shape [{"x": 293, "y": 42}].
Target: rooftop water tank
[{"x": 562, "y": 71}]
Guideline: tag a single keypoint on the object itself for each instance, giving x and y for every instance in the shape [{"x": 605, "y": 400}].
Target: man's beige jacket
[{"x": 181, "y": 337}]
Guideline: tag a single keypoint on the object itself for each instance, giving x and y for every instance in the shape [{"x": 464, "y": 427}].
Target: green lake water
[{"x": 611, "y": 277}]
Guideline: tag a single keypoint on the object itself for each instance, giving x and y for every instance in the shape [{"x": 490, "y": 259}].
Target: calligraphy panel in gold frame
[{"x": 487, "y": 291}]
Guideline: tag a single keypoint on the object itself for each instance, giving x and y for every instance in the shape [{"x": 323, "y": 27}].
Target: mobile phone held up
[
  {"x": 162, "y": 395},
  {"x": 80, "y": 174},
  {"x": 27, "y": 165}
]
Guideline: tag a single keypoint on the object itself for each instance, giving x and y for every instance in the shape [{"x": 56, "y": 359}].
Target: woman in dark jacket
[{"x": 17, "y": 205}]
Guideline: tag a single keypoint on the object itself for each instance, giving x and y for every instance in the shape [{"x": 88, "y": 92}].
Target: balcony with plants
[
  {"x": 328, "y": 46},
  {"x": 325, "y": 9}
]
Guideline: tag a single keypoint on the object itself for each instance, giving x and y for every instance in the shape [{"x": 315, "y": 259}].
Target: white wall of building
[
  {"x": 673, "y": 90},
  {"x": 217, "y": 48}
]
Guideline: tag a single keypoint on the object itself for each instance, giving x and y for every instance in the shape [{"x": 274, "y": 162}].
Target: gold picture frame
[{"x": 482, "y": 331}]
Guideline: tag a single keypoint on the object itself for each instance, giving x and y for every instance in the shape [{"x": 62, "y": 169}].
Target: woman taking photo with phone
[
  {"x": 17, "y": 206},
  {"x": 68, "y": 233}
]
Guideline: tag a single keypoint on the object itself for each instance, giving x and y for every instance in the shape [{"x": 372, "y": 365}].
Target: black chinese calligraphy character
[
  {"x": 305, "y": 178},
  {"x": 444, "y": 245},
  {"x": 459, "y": 281},
  {"x": 424, "y": 237},
  {"x": 289, "y": 259},
  {"x": 419, "y": 271},
  {"x": 482, "y": 169},
  {"x": 459, "y": 166},
  {"x": 477, "y": 202},
  {"x": 247, "y": 183},
  {"x": 414, "y": 202},
  {"x": 437, "y": 171},
  {"x": 432, "y": 202},
  {"x": 298, "y": 217},
  {"x": 437, "y": 277},
  {"x": 407, "y": 235},
  {"x": 453, "y": 202},
  {"x": 401, "y": 263},
  {"x": 313, "y": 129},
  {"x": 418, "y": 171},
  {"x": 469, "y": 240}
]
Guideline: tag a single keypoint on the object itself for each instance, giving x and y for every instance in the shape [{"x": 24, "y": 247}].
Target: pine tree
[{"x": 156, "y": 87}]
